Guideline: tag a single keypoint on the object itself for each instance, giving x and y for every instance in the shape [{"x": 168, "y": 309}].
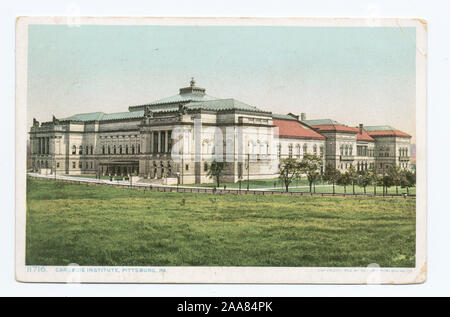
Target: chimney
[
  {"x": 303, "y": 116},
  {"x": 360, "y": 128}
]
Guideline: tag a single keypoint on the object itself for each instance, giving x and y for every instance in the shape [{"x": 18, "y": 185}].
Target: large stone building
[{"x": 175, "y": 138}]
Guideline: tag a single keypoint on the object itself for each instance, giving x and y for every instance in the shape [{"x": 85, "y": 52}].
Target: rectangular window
[
  {"x": 155, "y": 142},
  {"x": 73, "y": 165},
  {"x": 80, "y": 165},
  {"x": 57, "y": 165},
  {"x": 169, "y": 141},
  {"x": 163, "y": 142},
  {"x": 187, "y": 167}
]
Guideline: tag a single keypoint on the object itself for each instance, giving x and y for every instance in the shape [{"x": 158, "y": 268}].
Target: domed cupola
[{"x": 192, "y": 89}]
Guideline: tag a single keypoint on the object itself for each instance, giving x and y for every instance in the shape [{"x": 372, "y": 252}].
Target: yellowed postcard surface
[{"x": 221, "y": 150}]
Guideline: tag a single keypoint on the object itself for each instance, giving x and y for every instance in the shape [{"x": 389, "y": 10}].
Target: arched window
[
  {"x": 109, "y": 149},
  {"x": 132, "y": 149},
  {"x": 298, "y": 149},
  {"x": 74, "y": 149},
  {"x": 87, "y": 150},
  {"x": 126, "y": 149},
  {"x": 114, "y": 150},
  {"x": 138, "y": 149},
  {"x": 342, "y": 150},
  {"x": 80, "y": 150},
  {"x": 346, "y": 150},
  {"x": 305, "y": 148},
  {"x": 315, "y": 149},
  {"x": 350, "y": 150},
  {"x": 92, "y": 149},
  {"x": 120, "y": 149},
  {"x": 103, "y": 149},
  {"x": 290, "y": 150}
]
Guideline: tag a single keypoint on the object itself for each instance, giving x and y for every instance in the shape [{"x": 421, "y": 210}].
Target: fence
[{"x": 219, "y": 191}]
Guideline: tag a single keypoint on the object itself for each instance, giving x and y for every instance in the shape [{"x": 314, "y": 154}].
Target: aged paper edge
[{"x": 284, "y": 275}]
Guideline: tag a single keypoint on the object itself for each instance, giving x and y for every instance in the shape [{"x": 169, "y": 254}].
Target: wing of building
[{"x": 176, "y": 138}]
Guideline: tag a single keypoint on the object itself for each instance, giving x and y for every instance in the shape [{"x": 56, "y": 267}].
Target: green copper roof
[
  {"x": 283, "y": 117},
  {"x": 183, "y": 98},
  {"x": 191, "y": 97},
  {"x": 378, "y": 128},
  {"x": 222, "y": 104},
  {"x": 101, "y": 116},
  {"x": 85, "y": 116},
  {"x": 321, "y": 122},
  {"x": 212, "y": 105}
]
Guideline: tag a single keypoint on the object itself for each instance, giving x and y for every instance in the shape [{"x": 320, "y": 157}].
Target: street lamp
[
  {"x": 131, "y": 179},
  {"x": 240, "y": 183},
  {"x": 248, "y": 171}
]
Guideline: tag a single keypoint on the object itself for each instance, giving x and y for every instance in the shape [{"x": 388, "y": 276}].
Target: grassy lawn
[
  {"x": 303, "y": 186},
  {"x": 106, "y": 225},
  {"x": 91, "y": 176}
]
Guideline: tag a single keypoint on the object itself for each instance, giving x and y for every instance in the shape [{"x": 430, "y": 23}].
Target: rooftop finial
[{"x": 192, "y": 82}]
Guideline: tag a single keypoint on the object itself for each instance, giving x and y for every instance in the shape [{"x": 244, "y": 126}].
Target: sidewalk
[{"x": 195, "y": 189}]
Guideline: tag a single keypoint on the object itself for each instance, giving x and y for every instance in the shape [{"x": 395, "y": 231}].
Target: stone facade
[{"x": 177, "y": 137}]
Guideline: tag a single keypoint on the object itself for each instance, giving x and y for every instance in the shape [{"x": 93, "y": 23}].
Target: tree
[
  {"x": 374, "y": 177},
  {"x": 311, "y": 165},
  {"x": 215, "y": 170},
  {"x": 387, "y": 182},
  {"x": 344, "y": 180},
  {"x": 395, "y": 174},
  {"x": 364, "y": 179},
  {"x": 353, "y": 176},
  {"x": 289, "y": 171},
  {"x": 331, "y": 175},
  {"x": 407, "y": 179}
]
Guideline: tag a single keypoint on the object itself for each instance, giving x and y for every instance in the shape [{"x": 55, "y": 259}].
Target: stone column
[
  {"x": 151, "y": 143},
  {"x": 159, "y": 141},
  {"x": 166, "y": 142}
]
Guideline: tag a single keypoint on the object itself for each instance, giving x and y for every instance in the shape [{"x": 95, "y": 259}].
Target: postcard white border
[{"x": 285, "y": 275}]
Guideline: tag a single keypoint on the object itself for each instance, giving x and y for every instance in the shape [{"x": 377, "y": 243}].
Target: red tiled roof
[
  {"x": 295, "y": 129},
  {"x": 333, "y": 127},
  {"x": 364, "y": 136},
  {"x": 389, "y": 133}
]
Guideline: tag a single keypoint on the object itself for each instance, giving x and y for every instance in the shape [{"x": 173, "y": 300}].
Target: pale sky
[{"x": 349, "y": 74}]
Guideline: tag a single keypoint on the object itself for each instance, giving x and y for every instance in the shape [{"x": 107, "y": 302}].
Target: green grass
[
  {"x": 91, "y": 176},
  {"x": 321, "y": 187},
  {"x": 106, "y": 225}
]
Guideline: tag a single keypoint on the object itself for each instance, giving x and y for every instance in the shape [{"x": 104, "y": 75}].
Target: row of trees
[
  {"x": 311, "y": 166},
  {"x": 292, "y": 170}
]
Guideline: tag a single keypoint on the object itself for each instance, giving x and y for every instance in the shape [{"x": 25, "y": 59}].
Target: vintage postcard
[{"x": 221, "y": 150}]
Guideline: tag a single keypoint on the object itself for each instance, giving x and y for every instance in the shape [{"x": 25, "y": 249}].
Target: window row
[
  {"x": 121, "y": 149},
  {"x": 86, "y": 165},
  {"x": 299, "y": 149},
  {"x": 403, "y": 151},
  {"x": 86, "y": 150},
  {"x": 346, "y": 149}
]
